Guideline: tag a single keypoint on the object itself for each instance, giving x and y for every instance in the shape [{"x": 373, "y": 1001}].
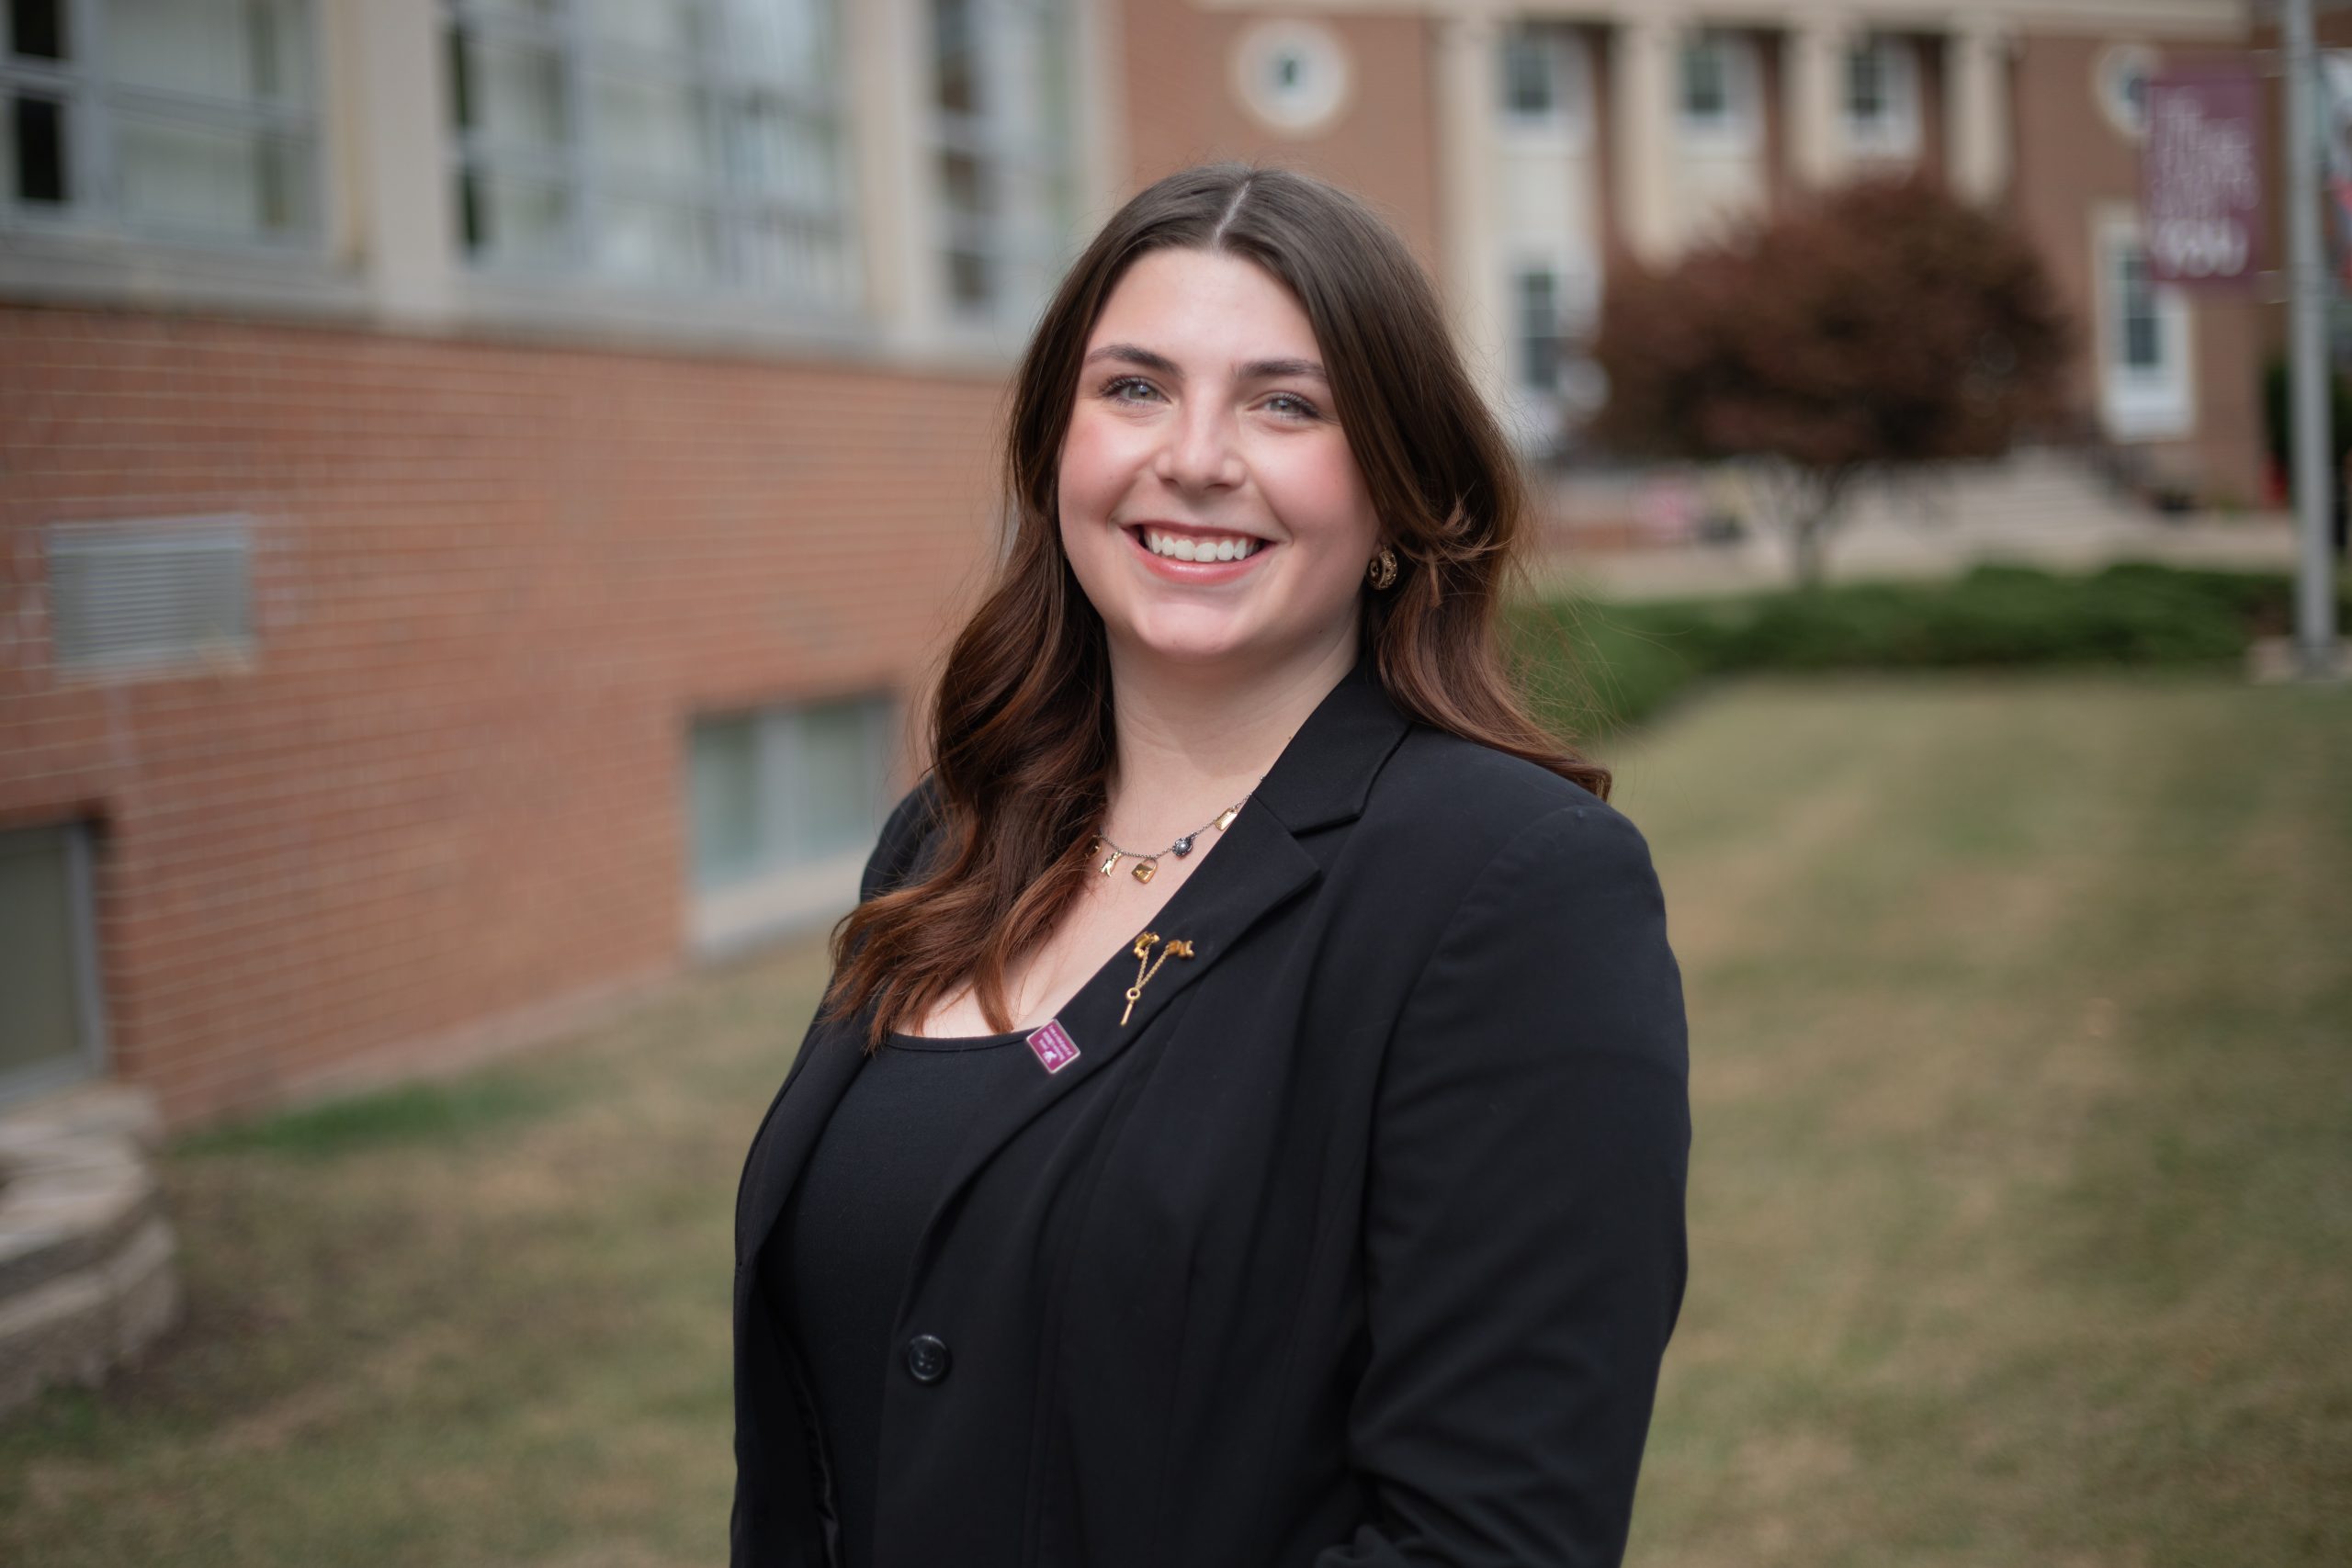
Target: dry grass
[
  {"x": 2022, "y": 1197},
  {"x": 2021, "y": 1201}
]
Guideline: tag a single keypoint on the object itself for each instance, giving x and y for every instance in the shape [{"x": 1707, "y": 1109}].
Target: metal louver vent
[{"x": 155, "y": 590}]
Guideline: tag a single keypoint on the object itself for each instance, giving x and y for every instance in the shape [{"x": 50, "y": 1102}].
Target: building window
[
  {"x": 1882, "y": 97},
  {"x": 785, "y": 802},
  {"x": 1546, "y": 81},
  {"x": 1719, "y": 89},
  {"x": 2138, "y": 330},
  {"x": 50, "y": 1031},
  {"x": 1531, "y": 83},
  {"x": 666, "y": 144},
  {"x": 1005, "y": 147},
  {"x": 179, "y": 119},
  {"x": 1535, "y": 294},
  {"x": 1706, "y": 90},
  {"x": 2144, "y": 373}
]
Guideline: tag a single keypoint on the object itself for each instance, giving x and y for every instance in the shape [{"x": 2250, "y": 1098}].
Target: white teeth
[{"x": 1183, "y": 547}]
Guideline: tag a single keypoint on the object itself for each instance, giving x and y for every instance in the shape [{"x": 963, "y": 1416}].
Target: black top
[{"x": 847, "y": 1236}]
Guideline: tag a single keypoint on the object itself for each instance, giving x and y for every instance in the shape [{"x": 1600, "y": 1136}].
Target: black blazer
[{"x": 1358, "y": 1245}]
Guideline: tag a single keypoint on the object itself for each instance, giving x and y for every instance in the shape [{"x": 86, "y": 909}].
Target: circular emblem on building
[
  {"x": 2119, "y": 80},
  {"x": 1292, "y": 76}
]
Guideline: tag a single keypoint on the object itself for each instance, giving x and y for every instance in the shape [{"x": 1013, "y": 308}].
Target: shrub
[{"x": 1635, "y": 658}]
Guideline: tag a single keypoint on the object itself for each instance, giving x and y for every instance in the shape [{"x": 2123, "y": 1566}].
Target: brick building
[{"x": 482, "y": 480}]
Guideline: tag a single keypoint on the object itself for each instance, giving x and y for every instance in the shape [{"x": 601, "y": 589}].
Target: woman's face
[{"x": 1209, "y": 503}]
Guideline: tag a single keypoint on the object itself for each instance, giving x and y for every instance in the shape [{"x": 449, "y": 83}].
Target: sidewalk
[{"x": 2037, "y": 509}]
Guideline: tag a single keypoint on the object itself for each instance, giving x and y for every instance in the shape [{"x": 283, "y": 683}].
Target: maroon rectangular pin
[{"x": 1052, "y": 1045}]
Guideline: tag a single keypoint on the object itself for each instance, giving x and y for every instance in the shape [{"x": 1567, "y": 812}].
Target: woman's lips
[{"x": 1192, "y": 572}]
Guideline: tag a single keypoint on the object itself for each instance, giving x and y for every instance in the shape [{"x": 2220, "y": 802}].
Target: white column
[
  {"x": 1977, "y": 106},
  {"x": 1105, "y": 179},
  {"x": 1645, "y": 52},
  {"x": 1815, "y": 94},
  {"x": 1469, "y": 67},
  {"x": 890, "y": 118},
  {"x": 401, "y": 211}
]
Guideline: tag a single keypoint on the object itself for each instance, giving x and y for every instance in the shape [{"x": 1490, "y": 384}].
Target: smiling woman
[{"x": 1310, "y": 1196}]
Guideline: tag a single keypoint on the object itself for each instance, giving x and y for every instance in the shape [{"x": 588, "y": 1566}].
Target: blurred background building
[{"x": 483, "y": 478}]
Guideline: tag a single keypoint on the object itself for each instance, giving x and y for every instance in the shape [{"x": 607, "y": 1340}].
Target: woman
[{"x": 1248, "y": 1123}]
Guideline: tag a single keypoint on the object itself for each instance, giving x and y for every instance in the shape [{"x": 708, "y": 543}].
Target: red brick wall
[
  {"x": 2069, "y": 156},
  {"x": 492, "y": 584},
  {"x": 1181, "y": 110}
]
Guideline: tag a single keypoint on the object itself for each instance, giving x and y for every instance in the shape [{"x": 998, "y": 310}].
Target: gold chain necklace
[{"x": 1147, "y": 864}]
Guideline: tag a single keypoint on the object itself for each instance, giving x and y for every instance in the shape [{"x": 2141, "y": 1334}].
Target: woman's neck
[{"x": 1192, "y": 740}]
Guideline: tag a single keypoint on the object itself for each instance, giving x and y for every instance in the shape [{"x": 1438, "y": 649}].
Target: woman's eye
[
  {"x": 1299, "y": 408},
  {"x": 1116, "y": 391}
]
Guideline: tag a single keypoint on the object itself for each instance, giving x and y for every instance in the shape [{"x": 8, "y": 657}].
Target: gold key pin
[{"x": 1147, "y": 965}]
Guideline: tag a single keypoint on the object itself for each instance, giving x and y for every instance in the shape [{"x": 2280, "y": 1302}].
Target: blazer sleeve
[{"x": 1524, "y": 1228}]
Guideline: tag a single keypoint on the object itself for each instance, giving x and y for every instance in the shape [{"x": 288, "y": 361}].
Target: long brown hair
[{"x": 1020, "y": 729}]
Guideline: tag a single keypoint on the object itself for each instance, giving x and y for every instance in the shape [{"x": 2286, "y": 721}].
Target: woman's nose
[{"x": 1199, "y": 453}]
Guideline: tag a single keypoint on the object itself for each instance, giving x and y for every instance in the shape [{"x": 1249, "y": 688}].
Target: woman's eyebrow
[
  {"x": 1272, "y": 370},
  {"x": 1251, "y": 370}
]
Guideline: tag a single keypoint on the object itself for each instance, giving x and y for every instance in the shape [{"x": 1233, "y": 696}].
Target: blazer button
[{"x": 927, "y": 1357}]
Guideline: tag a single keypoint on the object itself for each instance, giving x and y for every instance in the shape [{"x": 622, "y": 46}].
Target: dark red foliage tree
[{"x": 1880, "y": 324}]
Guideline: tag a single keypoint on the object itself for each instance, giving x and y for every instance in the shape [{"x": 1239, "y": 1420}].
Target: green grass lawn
[{"x": 2021, "y": 1202}]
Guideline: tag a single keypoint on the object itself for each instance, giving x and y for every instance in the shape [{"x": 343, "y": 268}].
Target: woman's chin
[{"x": 1189, "y": 639}]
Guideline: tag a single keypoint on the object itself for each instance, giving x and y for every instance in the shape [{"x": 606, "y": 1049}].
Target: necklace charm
[{"x": 1146, "y": 866}]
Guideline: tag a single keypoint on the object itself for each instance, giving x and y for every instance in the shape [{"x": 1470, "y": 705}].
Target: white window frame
[
  {"x": 1739, "y": 127},
  {"x": 1535, "y": 416},
  {"x": 778, "y": 900},
  {"x": 95, "y": 106},
  {"x": 1893, "y": 130},
  {"x": 976, "y": 135},
  {"x": 1566, "y": 124},
  {"x": 576, "y": 167},
  {"x": 2141, "y": 403},
  {"x": 1523, "y": 364}
]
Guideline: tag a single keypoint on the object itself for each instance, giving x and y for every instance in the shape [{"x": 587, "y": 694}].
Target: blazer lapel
[
  {"x": 829, "y": 1057},
  {"x": 1262, "y": 865},
  {"x": 1321, "y": 778}
]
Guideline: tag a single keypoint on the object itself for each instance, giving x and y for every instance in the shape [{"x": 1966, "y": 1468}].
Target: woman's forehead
[{"x": 1206, "y": 311}]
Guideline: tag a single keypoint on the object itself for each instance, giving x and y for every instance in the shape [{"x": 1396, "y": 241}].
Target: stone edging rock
[{"x": 86, "y": 1255}]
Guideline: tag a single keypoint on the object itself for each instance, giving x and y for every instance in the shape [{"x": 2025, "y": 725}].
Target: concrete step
[{"x": 86, "y": 1273}]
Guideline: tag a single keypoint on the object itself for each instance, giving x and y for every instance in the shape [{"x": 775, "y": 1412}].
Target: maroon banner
[{"x": 2200, "y": 176}]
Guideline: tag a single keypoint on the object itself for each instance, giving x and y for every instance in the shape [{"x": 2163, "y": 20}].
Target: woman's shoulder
[
  {"x": 1446, "y": 811},
  {"x": 1474, "y": 790}
]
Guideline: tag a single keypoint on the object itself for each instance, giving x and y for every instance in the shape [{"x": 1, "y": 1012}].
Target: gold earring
[{"x": 1383, "y": 570}]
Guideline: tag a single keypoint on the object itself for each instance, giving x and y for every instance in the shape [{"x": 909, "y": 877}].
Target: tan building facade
[
  {"x": 483, "y": 479},
  {"x": 1527, "y": 148}
]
